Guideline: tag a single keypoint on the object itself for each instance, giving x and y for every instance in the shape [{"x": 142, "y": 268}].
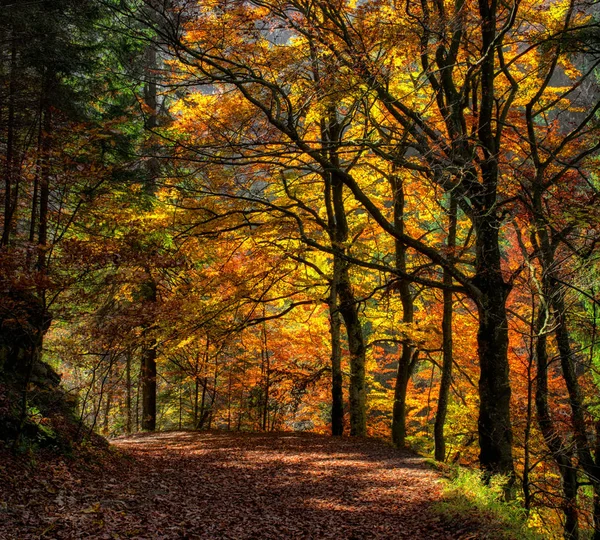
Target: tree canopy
[{"x": 360, "y": 218}]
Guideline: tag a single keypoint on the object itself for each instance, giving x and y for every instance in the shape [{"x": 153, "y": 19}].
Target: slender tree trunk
[
  {"x": 552, "y": 315},
  {"x": 180, "y": 406},
  {"x": 447, "y": 360},
  {"x": 148, "y": 357},
  {"x": 552, "y": 437},
  {"x": 203, "y": 404},
  {"x": 214, "y": 393},
  {"x": 196, "y": 400},
  {"x": 400, "y": 390},
  {"x": 137, "y": 403},
  {"x": 128, "y": 394},
  {"x": 45, "y": 175},
  {"x": 527, "y": 495},
  {"x": 106, "y": 420},
  {"x": 205, "y": 361},
  {"x": 335, "y": 326},
  {"x": 148, "y": 377},
  {"x": 405, "y": 362},
  {"x": 10, "y": 147},
  {"x": 36, "y": 179},
  {"x": 358, "y": 392},
  {"x": 229, "y": 403}
]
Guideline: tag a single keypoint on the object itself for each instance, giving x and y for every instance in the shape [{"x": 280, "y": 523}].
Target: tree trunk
[
  {"x": 400, "y": 390},
  {"x": 149, "y": 288},
  {"x": 358, "y": 392},
  {"x": 348, "y": 308},
  {"x": 229, "y": 403},
  {"x": 447, "y": 360},
  {"x": 267, "y": 379},
  {"x": 180, "y": 406},
  {"x": 405, "y": 364},
  {"x": 9, "y": 206},
  {"x": 106, "y": 419},
  {"x": 495, "y": 430},
  {"x": 526, "y": 483},
  {"x": 45, "y": 174},
  {"x": 196, "y": 399},
  {"x": 214, "y": 393},
  {"x": 335, "y": 324},
  {"x": 128, "y": 394},
  {"x": 331, "y": 132},
  {"x": 137, "y": 402},
  {"x": 203, "y": 404},
  {"x": 148, "y": 376}
]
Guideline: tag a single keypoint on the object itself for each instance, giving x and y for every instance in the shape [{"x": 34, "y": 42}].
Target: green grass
[{"x": 469, "y": 502}]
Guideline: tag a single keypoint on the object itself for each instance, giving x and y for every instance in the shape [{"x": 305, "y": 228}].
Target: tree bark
[
  {"x": 196, "y": 399},
  {"x": 495, "y": 429},
  {"x": 149, "y": 288},
  {"x": 45, "y": 173},
  {"x": 148, "y": 376},
  {"x": 267, "y": 379},
  {"x": 447, "y": 350},
  {"x": 405, "y": 362},
  {"x": 337, "y": 397},
  {"x": 347, "y": 305},
  {"x": 348, "y": 308},
  {"x": 128, "y": 392},
  {"x": 356, "y": 344},
  {"x": 9, "y": 205}
]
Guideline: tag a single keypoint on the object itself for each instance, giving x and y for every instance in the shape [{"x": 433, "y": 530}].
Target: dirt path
[{"x": 236, "y": 486}]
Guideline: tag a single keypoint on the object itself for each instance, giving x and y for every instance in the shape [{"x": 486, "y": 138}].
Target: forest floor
[{"x": 230, "y": 486}]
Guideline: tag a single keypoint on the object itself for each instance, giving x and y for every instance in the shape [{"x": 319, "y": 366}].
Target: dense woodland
[{"x": 365, "y": 218}]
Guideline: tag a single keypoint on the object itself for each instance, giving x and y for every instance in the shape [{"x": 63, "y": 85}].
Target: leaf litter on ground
[{"x": 224, "y": 485}]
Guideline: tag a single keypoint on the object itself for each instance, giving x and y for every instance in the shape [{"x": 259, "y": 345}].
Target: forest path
[
  {"x": 220, "y": 485},
  {"x": 238, "y": 486}
]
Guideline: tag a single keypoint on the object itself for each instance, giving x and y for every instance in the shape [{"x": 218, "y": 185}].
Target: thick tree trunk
[
  {"x": 495, "y": 430},
  {"x": 348, "y": 308},
  {"x": 149, "y": 288}
]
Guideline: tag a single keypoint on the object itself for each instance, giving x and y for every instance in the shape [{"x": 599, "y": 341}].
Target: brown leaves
[{"x": 224, "y": 485}]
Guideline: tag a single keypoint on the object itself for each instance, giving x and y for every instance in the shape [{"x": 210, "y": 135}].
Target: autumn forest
[{"x": 353, "y": 218}]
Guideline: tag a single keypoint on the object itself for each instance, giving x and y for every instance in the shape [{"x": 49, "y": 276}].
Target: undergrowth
[{"x": 467, "y": 500}]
